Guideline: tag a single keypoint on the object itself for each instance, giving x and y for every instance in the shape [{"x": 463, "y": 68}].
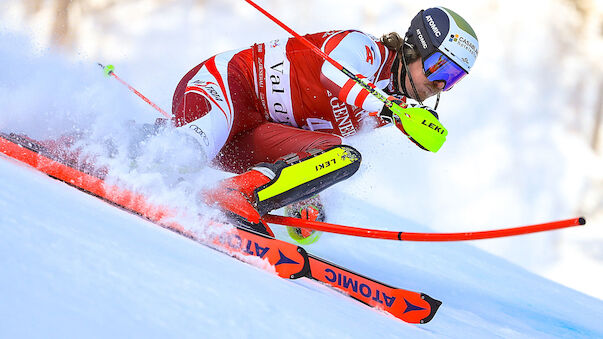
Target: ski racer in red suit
[{"x": 278, "y": 105}]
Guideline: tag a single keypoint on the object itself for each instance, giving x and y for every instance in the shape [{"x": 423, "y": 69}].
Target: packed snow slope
[
  {"x": 75, "y": 266},
  {"x": 518, "y": 149}
]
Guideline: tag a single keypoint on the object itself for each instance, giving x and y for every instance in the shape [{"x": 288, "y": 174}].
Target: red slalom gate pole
[
  {"x": 109, "y": 72},
  {"x": 410, "y": 236},
  {"x": 366, "y": 85},
  {"x": 301, "y": 38}
]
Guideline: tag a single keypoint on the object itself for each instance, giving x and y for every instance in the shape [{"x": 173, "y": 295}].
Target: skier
[{"x": 277, "y": 113}]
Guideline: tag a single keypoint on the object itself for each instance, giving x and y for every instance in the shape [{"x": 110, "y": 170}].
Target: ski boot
[
  {"x": 310, "y": 209},
  {"x": 247, "y": 197},
  {"x": 235, "y": 196}
]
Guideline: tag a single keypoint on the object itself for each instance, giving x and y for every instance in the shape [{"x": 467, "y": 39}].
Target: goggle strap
[
  {"x": 412, "y": 83},
  {"x": 437, "y": 102}
]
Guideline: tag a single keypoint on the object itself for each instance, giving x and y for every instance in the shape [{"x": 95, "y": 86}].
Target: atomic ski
[{"x": 286, "y": 259}]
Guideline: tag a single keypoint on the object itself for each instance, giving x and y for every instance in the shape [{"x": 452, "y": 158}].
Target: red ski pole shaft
[
  {"x": 410, "y": 236},
  {"x": 109, "y": 71}
]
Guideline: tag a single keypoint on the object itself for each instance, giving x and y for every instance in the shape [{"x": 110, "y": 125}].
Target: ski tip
[
  {"x": 434, "y": 303},
  {"x": 581, "y": 221}
]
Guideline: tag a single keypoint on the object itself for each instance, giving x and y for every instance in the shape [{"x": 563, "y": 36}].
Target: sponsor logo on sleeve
[
  {"x": 210, "y": 88},
  {"x": 370, "y": 55},
  {"x": 200, "y": 132}
]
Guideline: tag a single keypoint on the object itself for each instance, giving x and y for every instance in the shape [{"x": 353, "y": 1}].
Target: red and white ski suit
[{"x": 261, "y": 103}]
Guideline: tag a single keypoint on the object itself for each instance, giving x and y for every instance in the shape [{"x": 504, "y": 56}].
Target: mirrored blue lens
[{"x": 438, "y": 67}]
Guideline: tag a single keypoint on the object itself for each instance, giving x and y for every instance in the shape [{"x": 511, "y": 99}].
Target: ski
[
  {"x": 287, "y": 260},
  {"x": 412, "y": 307}
]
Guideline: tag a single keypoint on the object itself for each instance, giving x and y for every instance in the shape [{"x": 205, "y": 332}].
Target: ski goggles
[{"x": 438, "y": 67}]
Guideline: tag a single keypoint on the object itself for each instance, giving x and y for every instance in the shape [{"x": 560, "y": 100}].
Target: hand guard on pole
[
  {"x": 386, "y": 113},
  {"x": 428, "y": 134}
]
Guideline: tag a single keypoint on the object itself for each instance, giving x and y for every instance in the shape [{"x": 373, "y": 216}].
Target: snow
[
  {"x": 517, "y": 154},
  {"x": 75, "y": 266}
]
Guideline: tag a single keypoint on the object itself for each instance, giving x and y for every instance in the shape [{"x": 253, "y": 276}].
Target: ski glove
[{"x": 386, "y": 113}]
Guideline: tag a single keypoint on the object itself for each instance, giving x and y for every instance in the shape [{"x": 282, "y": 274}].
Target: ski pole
[
  {"x": 410, "y": 236},
  {"x": 109, "y": 71},
  {"x": 366, "y": 85}
]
